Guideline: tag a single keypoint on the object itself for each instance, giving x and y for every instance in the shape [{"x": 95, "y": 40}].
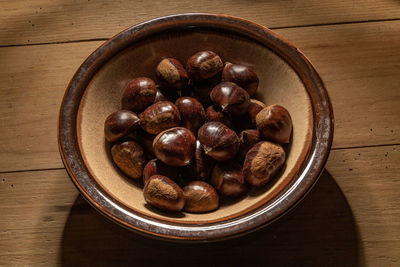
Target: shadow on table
[{"x": 319, "y": 232}]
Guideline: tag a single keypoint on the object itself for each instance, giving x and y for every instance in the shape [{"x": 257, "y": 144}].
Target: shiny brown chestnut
[
  {"x": 159, "y": 117},
  {"x": 192, "y": 113},
  {"x": 203, "y": 163},
  {"x": 218, "y": 141},
  {"x": 163, "y": 193},
  {"x": 242, "y": 75},
  {"x": 139, "y": 94},
  {"x": 214, "y": 113},
  {"x": 156, "y": 166},
  {"x": 165, "y": 95},
  {"x": 247, "y": 139},
  {"x": 200, "y": 197},
  {"x": 262, "y": 162},
  {"x": 129, "y": 157},
  {"x": 175, "y": 146},
  {"x": 254, "y": 108},
  {"x": 120, "y": 124},
  {"x": 274, "y": 123},
  {"x": 227, "y": 177},
  {"x": 231, "y": 98},
  {"x": 171, "y": 74},
  {"x": 203, "y": 65}
]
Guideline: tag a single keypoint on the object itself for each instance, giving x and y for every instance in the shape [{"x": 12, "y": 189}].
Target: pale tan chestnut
[
  {"x": 200, "y": 197},
  {"x": 262, "y": 162},
  {"x": 163, "y": 193}
]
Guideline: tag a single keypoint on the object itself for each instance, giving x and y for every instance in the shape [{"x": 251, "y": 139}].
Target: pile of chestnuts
[{"x": 198, "y": 134}]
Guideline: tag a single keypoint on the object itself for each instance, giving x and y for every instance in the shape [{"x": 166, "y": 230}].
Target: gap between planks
[{"x": 271, "y": 28}]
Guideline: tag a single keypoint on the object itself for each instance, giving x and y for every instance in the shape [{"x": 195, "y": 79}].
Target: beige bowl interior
[{"x": 279, "y": 84}]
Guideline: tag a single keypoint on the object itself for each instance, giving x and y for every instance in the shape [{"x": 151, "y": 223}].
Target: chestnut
[
  {"x": 213, "y": 113},
  {"x": 203, "y": 65},
  {"x": 200, "y": 197},
  {"x": 165, "y": 95},
  {"x": 227, "y": 177},
  {"x": 242, "y": 75},
  {"x": 163, "y": 193},
  {"x": 139, "y": 94},
  {"x": 203, "y": 163},
  {"x": 175, "y": 146},
  {"x": 274, "y": 123},
  {"x": 159, "y": 117},
  {"x": 218, "y": 141},
  {"x": 262, "y": 162},
  {"x": 231, "y": 98},
  {"x": 156, "y": 166},
  {"x": 119, "y": 124},
  {"x": 171, "y": 74},
  {"x": 129, "y": 157},
  {"x": 247, "y": 139},
  {"x": 255, "y": 106},
  {"x": 192, "y": 113}
]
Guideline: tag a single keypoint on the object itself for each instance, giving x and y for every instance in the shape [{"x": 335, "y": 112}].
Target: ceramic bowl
[{"x": 286, "y": 78}]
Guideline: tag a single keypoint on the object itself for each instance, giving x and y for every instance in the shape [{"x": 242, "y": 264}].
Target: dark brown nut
[
  {"x": 255, "y": 106},
  {"x": 159, "y": 117},
  {"x": 242, "y": 75},
  {"x": 262, "y": 162},
  {"x": 139, "y": 94},
  {"x": 175, "y": 146},
  {"x": 120, "y": 124},
  {"x": 203, "y": 65},
  {"x": 192, "y": 113},
  {"x": 231, "y": 98},
  {"x": 200, "y": 197},
  {"x": 214, "y": 113},
  {"x": 274, "y": 123},
  {"x": 203, "y": 164},
  {"x": 156, "y": 166},
  {"x": 163, "y": 193},
  {"x": 171, "y": 74},
  {"x": 165, "y": 95},
  {"x": 129, "y": 157},
  {"x": 227, "y": 177},
  {"x": 218, "y": 141},
  {"x": 247, "y": 139}
]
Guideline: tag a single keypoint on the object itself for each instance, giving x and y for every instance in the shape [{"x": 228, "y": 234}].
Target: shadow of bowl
[{"x": 319, "y": 232}]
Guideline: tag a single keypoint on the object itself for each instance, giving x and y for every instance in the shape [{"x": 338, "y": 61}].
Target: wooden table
[{"x": 351, "y": 218}]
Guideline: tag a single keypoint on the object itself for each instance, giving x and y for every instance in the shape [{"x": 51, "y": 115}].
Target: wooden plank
[
  {"x": 350, "y": 218},
  {"x": 26, "y": 22},
  {"x": 358, "y": 62}
]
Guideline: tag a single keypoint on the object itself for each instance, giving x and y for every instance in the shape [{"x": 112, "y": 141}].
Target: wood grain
[
  {"x": 358, "y": 62},
  {"x": 44, "y": 222},
  {"x": 27, "y": 22}
]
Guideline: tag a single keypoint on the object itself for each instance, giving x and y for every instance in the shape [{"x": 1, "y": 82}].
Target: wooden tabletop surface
[{"x": 350, "y": 218}]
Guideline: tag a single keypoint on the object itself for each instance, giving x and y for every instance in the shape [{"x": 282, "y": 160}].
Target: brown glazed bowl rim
[{"x": 308, "y": 174}]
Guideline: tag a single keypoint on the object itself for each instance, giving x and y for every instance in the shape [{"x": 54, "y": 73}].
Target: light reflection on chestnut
[
  {"x": 227, "y": 177},
  {"x": 203, "y": 65}
]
